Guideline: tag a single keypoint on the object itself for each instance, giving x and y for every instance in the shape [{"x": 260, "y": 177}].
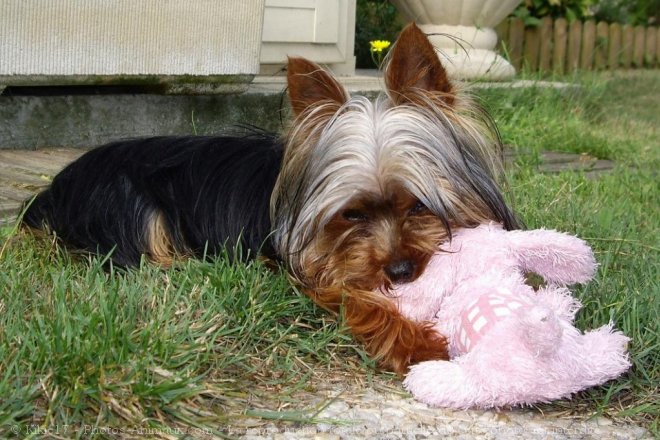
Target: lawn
[{"x": 205, "y": 344}]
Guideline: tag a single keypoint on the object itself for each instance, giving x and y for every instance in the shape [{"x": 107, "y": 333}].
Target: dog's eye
[
  {"x": 417, "y": 209},
  {"x": 354, "y": 216}
]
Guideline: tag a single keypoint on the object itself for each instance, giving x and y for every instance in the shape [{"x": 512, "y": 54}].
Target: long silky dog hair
[
  {"x": 164, "y": 197},
  {"x": 353, "y": 198}
]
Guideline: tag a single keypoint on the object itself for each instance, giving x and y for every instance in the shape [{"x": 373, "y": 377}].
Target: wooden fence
[{"x": 561, "y": 47}]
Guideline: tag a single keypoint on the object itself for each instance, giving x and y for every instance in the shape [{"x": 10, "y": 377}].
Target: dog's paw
[
  {"x": 429, "y": 345},
  {"x": 415, "y": 343}
]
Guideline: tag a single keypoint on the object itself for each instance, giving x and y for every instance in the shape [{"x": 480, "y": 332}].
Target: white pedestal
[
  {"x": 467, "y": 52},
  {"x": 462, "y": 33}
]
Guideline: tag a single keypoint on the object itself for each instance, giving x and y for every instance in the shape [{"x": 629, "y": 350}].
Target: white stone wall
[{"x": 55, "y": 38}]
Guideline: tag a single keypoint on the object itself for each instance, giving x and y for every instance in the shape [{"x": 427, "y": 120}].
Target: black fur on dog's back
[{"x": 208, "y": 193}]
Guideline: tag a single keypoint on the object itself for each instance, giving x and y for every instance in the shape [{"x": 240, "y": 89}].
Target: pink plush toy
[{"x": 509, "y": 344}]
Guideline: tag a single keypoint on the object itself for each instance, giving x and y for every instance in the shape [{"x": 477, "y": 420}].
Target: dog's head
[{"x": 369, "y": 189}]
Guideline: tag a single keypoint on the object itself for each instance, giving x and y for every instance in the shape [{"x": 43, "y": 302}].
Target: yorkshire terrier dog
[{"x": 353, "y": 199}]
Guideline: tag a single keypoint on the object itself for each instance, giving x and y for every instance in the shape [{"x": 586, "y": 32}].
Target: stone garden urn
[{"x": 462, "y": 33}]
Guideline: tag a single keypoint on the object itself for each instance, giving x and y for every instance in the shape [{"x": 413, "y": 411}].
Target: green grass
[
  {"x": 85, "y": 347},
  {"x": 208, "y": 344}
]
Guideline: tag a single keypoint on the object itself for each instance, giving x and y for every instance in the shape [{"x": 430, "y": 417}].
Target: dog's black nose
[{"x": 400, "y": 271}]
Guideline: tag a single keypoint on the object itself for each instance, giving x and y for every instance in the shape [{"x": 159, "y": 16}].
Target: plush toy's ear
[
  {"x": 559, "y": 258},
  {"x": 413, "y": 66},
  {"x": 310, "y": 85}
]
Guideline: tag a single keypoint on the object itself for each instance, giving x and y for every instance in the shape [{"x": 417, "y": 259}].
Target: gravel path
[{"x": 382, "y": 414}]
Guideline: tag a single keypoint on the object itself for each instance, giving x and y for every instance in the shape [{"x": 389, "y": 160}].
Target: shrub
[
  {"x": 375, "y": 20},
  {"x": 635, "y": 12},
  {"x": 531, "y": 11},
  {"x": 644, "y": 12}
]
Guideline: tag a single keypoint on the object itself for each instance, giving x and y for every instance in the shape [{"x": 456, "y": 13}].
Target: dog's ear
[
  {"x": 414, "y": 66},
  {"x": 310, "y": 85}
]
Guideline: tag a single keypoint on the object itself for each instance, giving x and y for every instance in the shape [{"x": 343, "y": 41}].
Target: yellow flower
[{"x": 379, "y": 45}]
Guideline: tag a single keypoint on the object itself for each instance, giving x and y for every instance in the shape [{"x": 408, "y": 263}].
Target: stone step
[{"x": 84, "y": 116}]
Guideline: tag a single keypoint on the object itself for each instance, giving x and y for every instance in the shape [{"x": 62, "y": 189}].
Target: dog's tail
[{"x": 37, "y": 212}]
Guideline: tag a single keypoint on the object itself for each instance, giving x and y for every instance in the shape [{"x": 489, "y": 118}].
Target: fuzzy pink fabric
[{"x": 509, "y": 344}]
